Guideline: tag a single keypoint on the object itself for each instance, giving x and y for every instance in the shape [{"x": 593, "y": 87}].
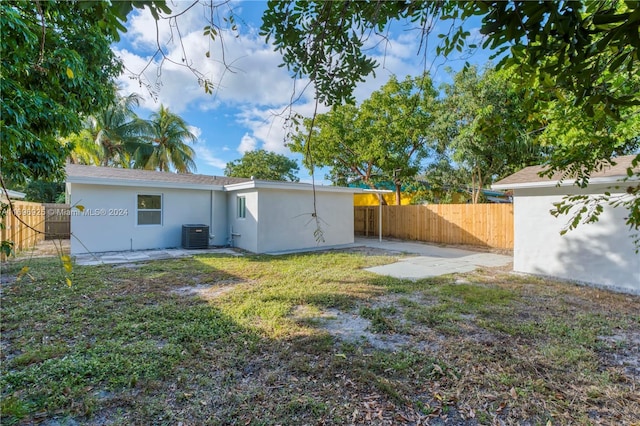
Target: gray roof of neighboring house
[
  {"x": 530, "y": 174},
  {"x": 12, "y": 194},
  {"x": 77, "y": 173}
]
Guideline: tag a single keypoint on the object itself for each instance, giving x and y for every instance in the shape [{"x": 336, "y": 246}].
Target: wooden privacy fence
[
  {"x": 489, "y": 225},
  {"x": 28, "y": 234},
  {"x": 57, "y": 221}
]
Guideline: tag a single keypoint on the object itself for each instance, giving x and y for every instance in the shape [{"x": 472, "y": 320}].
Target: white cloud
[
  {"x": 250, "y": 80},
  {"x": 243, "y": 69},
  {"x": 247, "y": 143},
  {"x": 205, "y": 155},
  {"x": 270, "y": 126},
  {"x": 196, "y": 131}
]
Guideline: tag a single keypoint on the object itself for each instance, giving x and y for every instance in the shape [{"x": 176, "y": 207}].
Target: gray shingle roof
[
  {"x": 530, "y": 174},
  {"x": 118, "y": 174}
]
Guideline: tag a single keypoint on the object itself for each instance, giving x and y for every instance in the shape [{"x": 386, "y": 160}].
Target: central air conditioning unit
[{"x": 195, "y": 236}]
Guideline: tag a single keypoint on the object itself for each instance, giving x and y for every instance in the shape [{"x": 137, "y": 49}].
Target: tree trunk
[
  {"x": 476, "y": 186},
  {"x": 398, "y": 193},
  {"x": 383, "y": 201}
]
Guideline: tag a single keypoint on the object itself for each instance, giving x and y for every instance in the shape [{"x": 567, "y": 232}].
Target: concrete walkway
[
  {"x": 432, "y": 260},
  {"x": 115, "y": 257}
]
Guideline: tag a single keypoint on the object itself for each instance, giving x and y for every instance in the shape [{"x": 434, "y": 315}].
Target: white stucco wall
[
  {"x": 245, "y": 229},
  {"x": 281, "y": 219},
  {"x": 109, "y": 222},
  {"x": 286, "y": 221},
  {"x": 600, "y": 253},
  {"x": 219, "y": 228}
]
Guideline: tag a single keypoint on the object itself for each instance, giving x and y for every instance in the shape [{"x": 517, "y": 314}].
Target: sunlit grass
[{"x": 225, "y": 339}]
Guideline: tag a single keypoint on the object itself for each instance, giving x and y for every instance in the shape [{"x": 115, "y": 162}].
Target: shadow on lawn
[
  {"x": 90, "y": 350},
  {"x": 243, "y": 340}
]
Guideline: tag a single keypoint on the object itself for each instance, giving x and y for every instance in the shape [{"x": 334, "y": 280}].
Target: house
[
  {"x": 129, "y": 209},
  {"x": 601, "y": 253},
  {"x": 12, "y": 195}
]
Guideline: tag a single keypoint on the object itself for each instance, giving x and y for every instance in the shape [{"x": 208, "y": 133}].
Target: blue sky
[{"x": 245, "y": 111}]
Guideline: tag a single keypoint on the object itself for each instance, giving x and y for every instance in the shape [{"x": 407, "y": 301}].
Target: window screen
[
  {"x": 149, "y": 209},
  {"x": 242, "y": 207}
]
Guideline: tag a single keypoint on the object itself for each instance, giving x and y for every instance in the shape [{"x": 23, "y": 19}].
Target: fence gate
[{"x": 57, "y": 222}]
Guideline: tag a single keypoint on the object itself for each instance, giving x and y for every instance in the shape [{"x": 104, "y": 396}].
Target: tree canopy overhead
[
  {"x": 558, "y": 43},
  {"x": 587, "y": 52},
  {"x": 57, "y": 66}
]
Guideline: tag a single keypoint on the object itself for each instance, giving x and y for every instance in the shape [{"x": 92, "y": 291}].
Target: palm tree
[
  {"x": 168, "y": 136},
  {"x": 118, "y": 132},
  {"x": 85, "y": 150}
]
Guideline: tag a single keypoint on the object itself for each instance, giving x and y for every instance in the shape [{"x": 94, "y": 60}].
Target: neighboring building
[
  {"x": 13, "y": 195},
  {"x": 420, "y": 192},
  {"x": 601, "y": 253},
  {"x": 129, "y": 209}
]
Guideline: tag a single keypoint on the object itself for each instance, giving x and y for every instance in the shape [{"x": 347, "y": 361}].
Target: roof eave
[
  {"x": 294, "y": 186},
  {"x": 555, "y": 183},
  {"x": 142, "y": 183}
]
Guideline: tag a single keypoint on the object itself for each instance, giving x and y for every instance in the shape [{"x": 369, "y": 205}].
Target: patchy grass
[{"x": 246, "y": 340}]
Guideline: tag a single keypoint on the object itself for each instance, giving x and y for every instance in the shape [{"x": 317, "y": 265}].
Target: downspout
[
  {"x": 232, "y": 235},
  {"x": 211, "y": 236}
]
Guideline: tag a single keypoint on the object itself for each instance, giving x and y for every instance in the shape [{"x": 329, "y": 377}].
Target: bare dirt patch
[
  {"x": 623, "y": 351},
  {"x": 206, "y": 292},
  {"x": 350, "y": 327}
]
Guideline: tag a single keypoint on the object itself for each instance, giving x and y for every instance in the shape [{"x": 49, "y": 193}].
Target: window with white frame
[
  {"x": 242, "y": 207},
  {"x": 149, "y": 209}
]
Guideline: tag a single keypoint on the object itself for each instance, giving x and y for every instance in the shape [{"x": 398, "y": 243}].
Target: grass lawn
[{"x": 311, "y": 339}]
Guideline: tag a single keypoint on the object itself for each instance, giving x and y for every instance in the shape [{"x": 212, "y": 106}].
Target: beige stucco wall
[{"x": 600, "y": 253}]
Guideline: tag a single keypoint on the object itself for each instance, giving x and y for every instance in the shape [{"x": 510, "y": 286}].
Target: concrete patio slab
[
  {"x": 430, "y": 261},
  {"x": 433, "y": 260}
]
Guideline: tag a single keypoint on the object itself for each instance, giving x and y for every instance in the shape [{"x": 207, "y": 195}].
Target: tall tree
[
  {"x": 385, "y": 139},
  {"x": 487, "y": 126},
  {"x": 579, "y": 48},
  {"x": 84, "y": 148},
  {"x": 57, "y": 66},
  {"x": 263, "y": 164},
  {"x": 168, "y": 137},
  {"x": 118, "y": 132}
]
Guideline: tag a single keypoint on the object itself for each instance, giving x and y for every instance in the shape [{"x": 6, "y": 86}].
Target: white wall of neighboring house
[
  {"x": 109, "y": 220},
  {"x": 601, "y": 253}
]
